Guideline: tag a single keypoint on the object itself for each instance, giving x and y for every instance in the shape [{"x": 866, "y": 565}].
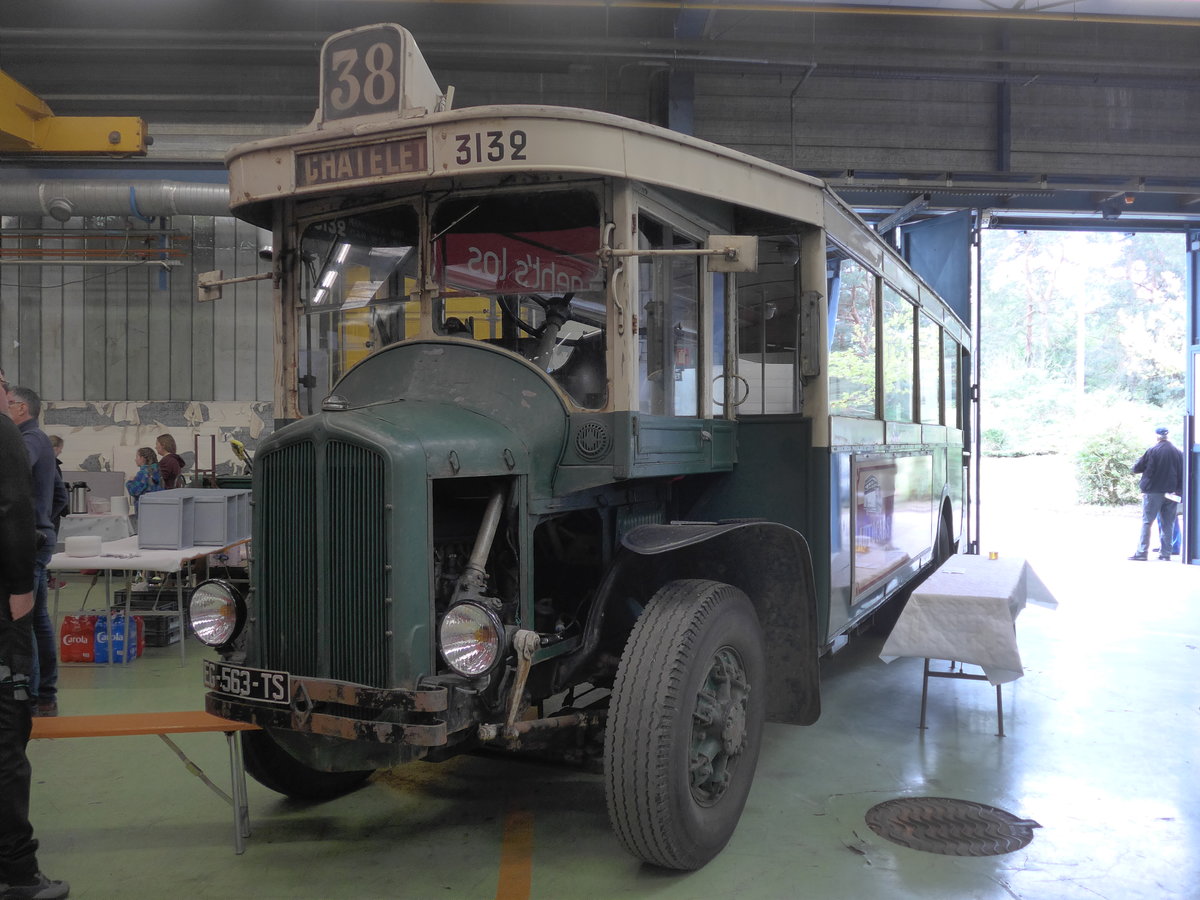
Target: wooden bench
[{"x": 164, "y": 724}]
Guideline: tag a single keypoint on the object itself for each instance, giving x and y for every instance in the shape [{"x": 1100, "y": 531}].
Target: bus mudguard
[{"x": 771, "y": 563}]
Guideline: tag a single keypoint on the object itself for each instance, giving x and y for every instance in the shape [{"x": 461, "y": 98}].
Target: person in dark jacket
[
  {"x": 1161, "y": 468},
  {"x": 170, "y": 463},
  {"x": 62, "y": 498},
  {"x": 20, "y": 876},
  {"x": 24, "y": 408}
]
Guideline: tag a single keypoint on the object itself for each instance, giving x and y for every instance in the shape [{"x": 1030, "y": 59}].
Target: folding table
[
  {"x": 966, "y": 611},
  {"x": 125, "y": 556}
]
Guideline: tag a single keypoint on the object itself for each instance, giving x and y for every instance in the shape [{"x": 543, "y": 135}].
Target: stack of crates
[
  {"x": 165, "y": 520},
  {"x": 160, "y": 630},
  {"x": 193, "y": 517}
]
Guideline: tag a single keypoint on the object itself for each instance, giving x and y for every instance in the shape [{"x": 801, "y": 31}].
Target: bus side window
[
  {"x": 898, "y": 335},
  {"x": 853, "y": 343},
  {"x": 929, "y": 363},
  {"x": 669, "y": 337},
  {"x": 951, "y": 382},
  {"x": 769, "y": 320}
]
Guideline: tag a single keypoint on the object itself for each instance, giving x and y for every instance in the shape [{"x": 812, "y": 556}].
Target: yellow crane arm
[{"x": 28, "y": 125}]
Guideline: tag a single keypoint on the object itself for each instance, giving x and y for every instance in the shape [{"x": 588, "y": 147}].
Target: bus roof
[
  {"x": 358, "y": 153},
  {"x": 480, "y": 141}
]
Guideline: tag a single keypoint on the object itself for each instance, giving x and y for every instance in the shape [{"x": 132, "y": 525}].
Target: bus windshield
[
  {"x": 521, "y": 270},
  {"x": 359, "y": 260}
]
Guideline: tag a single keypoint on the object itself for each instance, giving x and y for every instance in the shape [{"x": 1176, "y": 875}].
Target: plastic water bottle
[
  {"x": 101, "y": 637},
  {"x": 67, "y": 651},
  {"x": 116, "y": 639},
  {"x": 87, "y": 638}
]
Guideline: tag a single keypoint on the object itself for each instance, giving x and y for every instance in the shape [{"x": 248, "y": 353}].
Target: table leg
[
  {"x": 130, "y": 629},
  {"x": 924, "y": 694},
  {"x": 182, "y": 620},
  {"x": 108, "y": 614},
  {"x": 999, "y": 713},
  {"x": 237, "y": 781}
]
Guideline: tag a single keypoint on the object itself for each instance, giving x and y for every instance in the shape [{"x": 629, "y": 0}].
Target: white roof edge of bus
[{"x": 385, "y": 124}]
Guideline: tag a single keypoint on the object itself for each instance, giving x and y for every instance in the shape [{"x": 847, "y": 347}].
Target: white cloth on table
[
  {"x": 125, "y": 554},
  {"x": 967, "y": 611}
]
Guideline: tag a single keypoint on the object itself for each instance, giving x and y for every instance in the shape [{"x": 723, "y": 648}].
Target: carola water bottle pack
[{"x": 86, "y": 638}]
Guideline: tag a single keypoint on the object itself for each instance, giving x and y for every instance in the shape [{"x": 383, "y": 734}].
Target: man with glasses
[
  {"x": 20, "y": 876},
  {"x": 49, "y": 494}
]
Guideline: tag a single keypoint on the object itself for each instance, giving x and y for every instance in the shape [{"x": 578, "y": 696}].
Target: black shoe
[
  {"x": 41, "y": 888},
  {"x": 49, "y": 708},
  {"x": 1165, "y": 558},
  {"x": 1140, "y": 557}
]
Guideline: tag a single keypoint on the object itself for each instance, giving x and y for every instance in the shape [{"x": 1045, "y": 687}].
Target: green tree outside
[{"x": 1082, "y": 346}]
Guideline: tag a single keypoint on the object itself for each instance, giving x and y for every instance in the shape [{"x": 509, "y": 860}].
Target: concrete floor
[{"x": 1103, "y": 732}]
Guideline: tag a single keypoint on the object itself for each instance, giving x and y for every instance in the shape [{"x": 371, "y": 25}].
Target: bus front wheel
[{"x": 685, "y": 723}]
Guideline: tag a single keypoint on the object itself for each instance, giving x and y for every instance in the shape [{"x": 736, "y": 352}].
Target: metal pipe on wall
[{"x": 64, "y": 199}]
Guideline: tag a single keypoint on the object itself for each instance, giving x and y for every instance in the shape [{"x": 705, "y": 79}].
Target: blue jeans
[
  {"x": 1157, "y": 506},
  {"x": 43, "y": 680}
]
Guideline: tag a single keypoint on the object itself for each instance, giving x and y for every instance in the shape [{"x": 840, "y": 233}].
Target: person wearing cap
[{"x": 1161, "y": 468}]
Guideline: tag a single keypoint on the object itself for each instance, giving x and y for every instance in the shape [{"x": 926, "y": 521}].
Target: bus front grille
[{"x": 321, "y": 560}]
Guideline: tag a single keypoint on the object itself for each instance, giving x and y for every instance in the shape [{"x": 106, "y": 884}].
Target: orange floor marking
[{"x": 516, "y": 856}]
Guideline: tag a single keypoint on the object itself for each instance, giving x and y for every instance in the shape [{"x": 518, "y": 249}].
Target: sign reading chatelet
[{"x": 386, "y": 158}]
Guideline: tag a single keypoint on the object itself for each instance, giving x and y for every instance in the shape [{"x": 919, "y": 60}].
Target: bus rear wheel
[
  {"x": 273, "y": 767},
  {"x": 685, "y": 724}
]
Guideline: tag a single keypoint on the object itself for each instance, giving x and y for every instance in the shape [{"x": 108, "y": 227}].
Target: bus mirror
[
  {"x": 734, "y": 253},
  {"x": 209, "y": 284}
]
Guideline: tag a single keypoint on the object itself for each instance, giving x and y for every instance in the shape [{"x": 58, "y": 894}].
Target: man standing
[
  {"x": 24, "y": 407},
  {"x": 1161, "y": 468},
  {"x": 20, "y": 877}
]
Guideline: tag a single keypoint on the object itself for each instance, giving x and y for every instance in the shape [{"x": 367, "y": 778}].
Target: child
[{"x": 147, "y": 478}]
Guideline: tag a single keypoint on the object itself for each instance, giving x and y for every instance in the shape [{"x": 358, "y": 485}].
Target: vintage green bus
[{"x": 641, "y": 427}]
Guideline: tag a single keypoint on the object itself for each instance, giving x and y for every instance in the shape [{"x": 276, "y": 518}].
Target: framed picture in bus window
[{"x": 893, "y": 518}]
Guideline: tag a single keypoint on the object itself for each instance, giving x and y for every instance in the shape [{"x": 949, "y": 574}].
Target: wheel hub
[{"x": 718, "y": 726}]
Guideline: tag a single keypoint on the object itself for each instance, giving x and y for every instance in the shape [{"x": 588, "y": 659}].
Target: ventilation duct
[{"x": 61, "y": 200}]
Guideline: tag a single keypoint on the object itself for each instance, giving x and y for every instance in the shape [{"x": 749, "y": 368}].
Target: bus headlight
[
  {"x": 471, "y": 638},
  {"x": 216, "y": 612}
]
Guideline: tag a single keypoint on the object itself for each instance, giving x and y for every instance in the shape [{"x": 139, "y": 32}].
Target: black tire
[
  {"x": 273, "y": 767},
  {"x": 945, "y": 544},
  {"x": 668, "y": 805}
]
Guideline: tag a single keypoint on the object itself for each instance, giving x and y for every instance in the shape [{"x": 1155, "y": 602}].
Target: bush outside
[{"x": 1102, "y": 469}]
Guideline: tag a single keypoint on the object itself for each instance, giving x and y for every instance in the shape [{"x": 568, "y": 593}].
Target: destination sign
[
  {"x": 397, "y": 157},
  {"x": 540, "y": 261}
]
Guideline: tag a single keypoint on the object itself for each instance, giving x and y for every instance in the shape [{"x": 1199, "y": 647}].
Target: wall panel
[{"x": 135, "y": 332}]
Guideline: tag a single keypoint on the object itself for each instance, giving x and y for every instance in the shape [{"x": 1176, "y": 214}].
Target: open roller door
[
  {"x": 1191, "y": 456},
  {"x": 939, "y": 250}
]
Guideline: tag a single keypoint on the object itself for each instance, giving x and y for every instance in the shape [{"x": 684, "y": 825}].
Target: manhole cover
[{"x": 950, "y": 827}]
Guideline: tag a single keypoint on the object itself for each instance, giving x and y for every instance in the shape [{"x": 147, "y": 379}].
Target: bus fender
[{"x": 771, "y": 563}]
